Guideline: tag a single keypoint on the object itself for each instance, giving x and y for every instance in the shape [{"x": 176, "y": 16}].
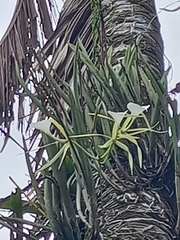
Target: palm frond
[{"x": 30, "y": 27}]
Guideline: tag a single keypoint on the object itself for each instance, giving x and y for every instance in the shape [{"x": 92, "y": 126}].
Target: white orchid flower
[
  {"x": 43, "y": 126},
  {"x": 136, "y": 109},
  {"x": 178, "y": 143},
  {"x": 117, "y": 116}
]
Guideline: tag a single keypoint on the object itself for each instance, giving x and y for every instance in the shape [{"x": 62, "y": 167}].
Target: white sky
[
  {"x": 12, "y": 164},
  {"x": 171, "y": 33}
]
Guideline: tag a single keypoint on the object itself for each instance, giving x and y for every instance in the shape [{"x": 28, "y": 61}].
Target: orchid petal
[
  {"x": 117, "y": 116},
  {"x": 178, "y": 143},
  {"x": 43, "y": 126},
  {"x": 136, "y": 109}
]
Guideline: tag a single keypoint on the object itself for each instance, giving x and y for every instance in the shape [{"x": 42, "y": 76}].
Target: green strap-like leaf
[
  {"x": 125, "y": 148},
  {"x": 58, "y": 154},
  {"x": 133, "y": 140}
]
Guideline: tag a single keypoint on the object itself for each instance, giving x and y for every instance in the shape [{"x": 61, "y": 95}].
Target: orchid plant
[
  {"x": 124, "y": 131},
  {"x": 121, "y": 129}
]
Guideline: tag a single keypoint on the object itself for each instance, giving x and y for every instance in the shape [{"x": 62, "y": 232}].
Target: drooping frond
[{"x": 30, "y": 27}]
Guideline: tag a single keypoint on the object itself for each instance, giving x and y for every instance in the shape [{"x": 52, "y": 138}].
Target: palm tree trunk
[
  {"x": 140, "y": 211},
  {"x": 134, "y": 211},
  {"x": 125, "y": 20}
]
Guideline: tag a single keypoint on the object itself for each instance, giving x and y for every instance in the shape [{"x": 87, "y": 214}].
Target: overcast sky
[
  {"x": 171, "y": 34},
  {"x": 11, "y": 163}
]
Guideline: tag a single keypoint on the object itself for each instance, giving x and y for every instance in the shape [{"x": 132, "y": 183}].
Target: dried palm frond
[{"x": 31, "y": 24}]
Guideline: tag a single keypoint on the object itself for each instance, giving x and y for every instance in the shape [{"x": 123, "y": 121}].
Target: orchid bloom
[
  {"x": 178, "y": 143},
  {"x": 117, "y": 116},
  {"x": 136, "y": 109},
  {"x": 43, "y": 126}
]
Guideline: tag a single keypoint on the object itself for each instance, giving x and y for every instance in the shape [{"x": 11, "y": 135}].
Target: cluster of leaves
[{"x": 76, "y": 122}]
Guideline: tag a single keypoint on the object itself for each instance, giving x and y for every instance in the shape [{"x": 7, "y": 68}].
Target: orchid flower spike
[
  {"x": 117, "y": 116},
  {"x": 136, "y": 109},
  {"x": 43, "y": 126}
]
